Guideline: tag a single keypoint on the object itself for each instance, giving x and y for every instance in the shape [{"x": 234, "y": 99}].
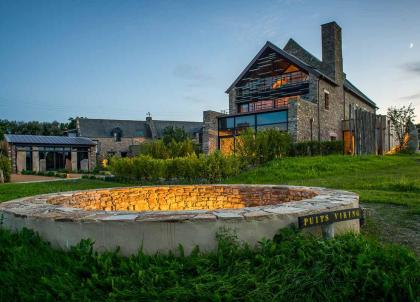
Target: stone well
[{"x": 160, "y": 218}]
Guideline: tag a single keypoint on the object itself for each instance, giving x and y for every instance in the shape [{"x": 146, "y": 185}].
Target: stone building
[
  {"x": 119, "y": 137},
  {"x": 50, "y": 153},
  {"x": 291, "y": 90}
]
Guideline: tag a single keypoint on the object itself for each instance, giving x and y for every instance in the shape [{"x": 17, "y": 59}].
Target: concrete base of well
[{"x": 164, "y": 231}]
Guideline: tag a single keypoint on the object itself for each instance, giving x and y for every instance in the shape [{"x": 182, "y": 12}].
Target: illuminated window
[
  {"x": 226, "y": 145},
  {"x": 243, "y": 108},
  {"x": 327, "y": 99}
]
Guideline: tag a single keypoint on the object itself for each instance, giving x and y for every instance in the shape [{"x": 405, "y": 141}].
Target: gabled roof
[
  {"x": 48, "y": 140},
  {"x": 292, "y": 47},
  {"x": 189, "y": 127},
  {"x": 350, "y": 87},
  {"x": 103, "y": 127},
  {"x": 301, "y": 64},
  {"x": 310, "y": 63}
]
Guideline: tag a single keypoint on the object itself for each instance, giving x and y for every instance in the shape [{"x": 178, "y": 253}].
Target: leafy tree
[
  {"x": 176, "y": 134},
  {"x": 401, "y": 118},
  {"x": 35, "y": 127}
]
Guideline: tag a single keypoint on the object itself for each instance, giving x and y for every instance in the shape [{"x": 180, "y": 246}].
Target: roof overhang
[{"x": 288, "y": 57}]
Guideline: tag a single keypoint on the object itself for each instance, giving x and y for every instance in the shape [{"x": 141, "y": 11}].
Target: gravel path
[{"x": 392, "y": 223}]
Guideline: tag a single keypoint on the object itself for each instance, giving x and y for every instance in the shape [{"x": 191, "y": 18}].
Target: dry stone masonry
[{"x": 160, "y": 218}]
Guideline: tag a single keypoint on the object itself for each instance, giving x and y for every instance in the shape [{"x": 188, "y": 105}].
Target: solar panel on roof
[{"x": 48, "y": 140}]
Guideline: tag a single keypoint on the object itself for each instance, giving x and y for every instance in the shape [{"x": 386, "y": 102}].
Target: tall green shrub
[
  {"x": 6, "y": 167},
  {"x": 263, "y": 146},
  {"x": 162, "y": 150}
]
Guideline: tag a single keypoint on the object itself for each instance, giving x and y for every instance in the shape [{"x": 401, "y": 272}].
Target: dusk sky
[{"x": 122, "y": 59}]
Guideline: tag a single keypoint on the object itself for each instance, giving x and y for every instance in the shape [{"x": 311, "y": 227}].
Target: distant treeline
[{"x": 35, "y": 127}]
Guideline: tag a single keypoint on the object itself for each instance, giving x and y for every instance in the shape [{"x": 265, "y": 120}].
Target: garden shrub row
[
  {"x": 313, "y": 148},
  {"x": 6, "y": 167},
  {"x": 212, "y": 167},
  {"x": 160, "y": 149}
]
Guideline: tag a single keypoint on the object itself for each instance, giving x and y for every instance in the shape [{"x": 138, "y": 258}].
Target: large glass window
[
  {"x": 272, "y": 118},
  {"x": 226, "y": 145},
  {"x": 245, "y": 121},
  {"x": 226, "y": 126},
  {"x": 230, "y": 128},
  {"x": 29, "y": 160},
  {"x": 227, "y": 123}
]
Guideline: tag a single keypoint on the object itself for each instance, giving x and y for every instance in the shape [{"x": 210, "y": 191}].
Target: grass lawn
[
  {"x": 377, "y": 179},
  {"x": 291, "y": 267}
]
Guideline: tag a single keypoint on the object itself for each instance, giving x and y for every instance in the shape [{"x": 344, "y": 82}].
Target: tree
[
  {"x": 35, "y": 127},
  {"x": 401, "y": 118},
  {"x": 176, "y": 134}
]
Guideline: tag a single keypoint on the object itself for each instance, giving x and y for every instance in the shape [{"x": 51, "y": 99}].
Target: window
[
  {"x": 230, "y": 128},
  {"x": 117, "y": 137},
  {"x": 272, "y": 118},
  {"x": 327, "y": 99},
  {"x": 333, "y": 138},
  {"x": 226, "y": 123},
  {"x": 117, "y": 134},
  {"x": 243, "y": 108},
  {"x": 245, "y": 121},
  {"x": 226, "y": 145}
]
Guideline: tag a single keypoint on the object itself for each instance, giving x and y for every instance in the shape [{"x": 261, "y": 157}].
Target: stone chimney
[{"x": 332, "y": 56}]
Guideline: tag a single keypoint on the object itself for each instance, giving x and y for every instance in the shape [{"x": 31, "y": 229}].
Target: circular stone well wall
[{"x": 159, "y": 218}]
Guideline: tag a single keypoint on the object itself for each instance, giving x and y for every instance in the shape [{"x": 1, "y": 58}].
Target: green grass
[
  {"x": 11, "y": 191},
  {"x": 377, "y": 179},
  {"x": 291, "y": 267}
]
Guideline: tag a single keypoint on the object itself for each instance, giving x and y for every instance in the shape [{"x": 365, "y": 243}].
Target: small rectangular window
[
  {"x": 327, "y": 100},
  {"x": 243, "y": 108}
]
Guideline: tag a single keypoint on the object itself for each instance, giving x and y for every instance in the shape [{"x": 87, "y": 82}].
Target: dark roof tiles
[{"x": 104, "y": 127}]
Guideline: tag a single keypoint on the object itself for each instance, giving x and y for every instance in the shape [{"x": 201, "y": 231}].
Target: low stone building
[
  {"x": 291, "y": 90},
  {"x": 117, "y": 137},
  {"x": 50, "y": 153}
]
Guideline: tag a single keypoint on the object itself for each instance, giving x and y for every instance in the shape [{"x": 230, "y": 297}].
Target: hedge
[
  {"x": 6, "y": 167},
  {"x": 312, "y": 148},
  {"x": 212, "y": 167}
]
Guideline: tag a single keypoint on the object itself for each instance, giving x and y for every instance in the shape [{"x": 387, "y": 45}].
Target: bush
[
  {"x": 3, "y": 147},
  {"x": 212, "y": 167},
  {"x": 158, "y": 149},
  {"x": 291, "y": 267},
  {"x": 262, "y": 147},
  {"x": 6, "y": 167},
  {"x": 312, "y": 148}
]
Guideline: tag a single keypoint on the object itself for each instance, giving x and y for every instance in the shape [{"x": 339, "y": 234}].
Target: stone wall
[
  {"x": 164, "y": 231},
  {"x": 355, "y": 101},
  {"x": 108, "y": 144},
  {"x": 331, "y": 118},
  {"x": 307, "y": 121},
  {"x": 232, "y": 101},
  {"x": 11, "y": 152},
  {"x": 210, "y": 131},
  {"x": 198, "y": 197}
]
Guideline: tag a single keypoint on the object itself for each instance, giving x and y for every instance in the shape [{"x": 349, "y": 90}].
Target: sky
[{"x": 174, "y": 59}]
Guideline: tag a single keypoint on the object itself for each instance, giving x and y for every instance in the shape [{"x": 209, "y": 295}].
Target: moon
[{"x": 411, "y": 45}]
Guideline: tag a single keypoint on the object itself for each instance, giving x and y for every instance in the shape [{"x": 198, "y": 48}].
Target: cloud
[
  {"x": 413, "y": 67},
  {"x": 411, "y": 97},
  {"x": 191, "y": 73}
]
